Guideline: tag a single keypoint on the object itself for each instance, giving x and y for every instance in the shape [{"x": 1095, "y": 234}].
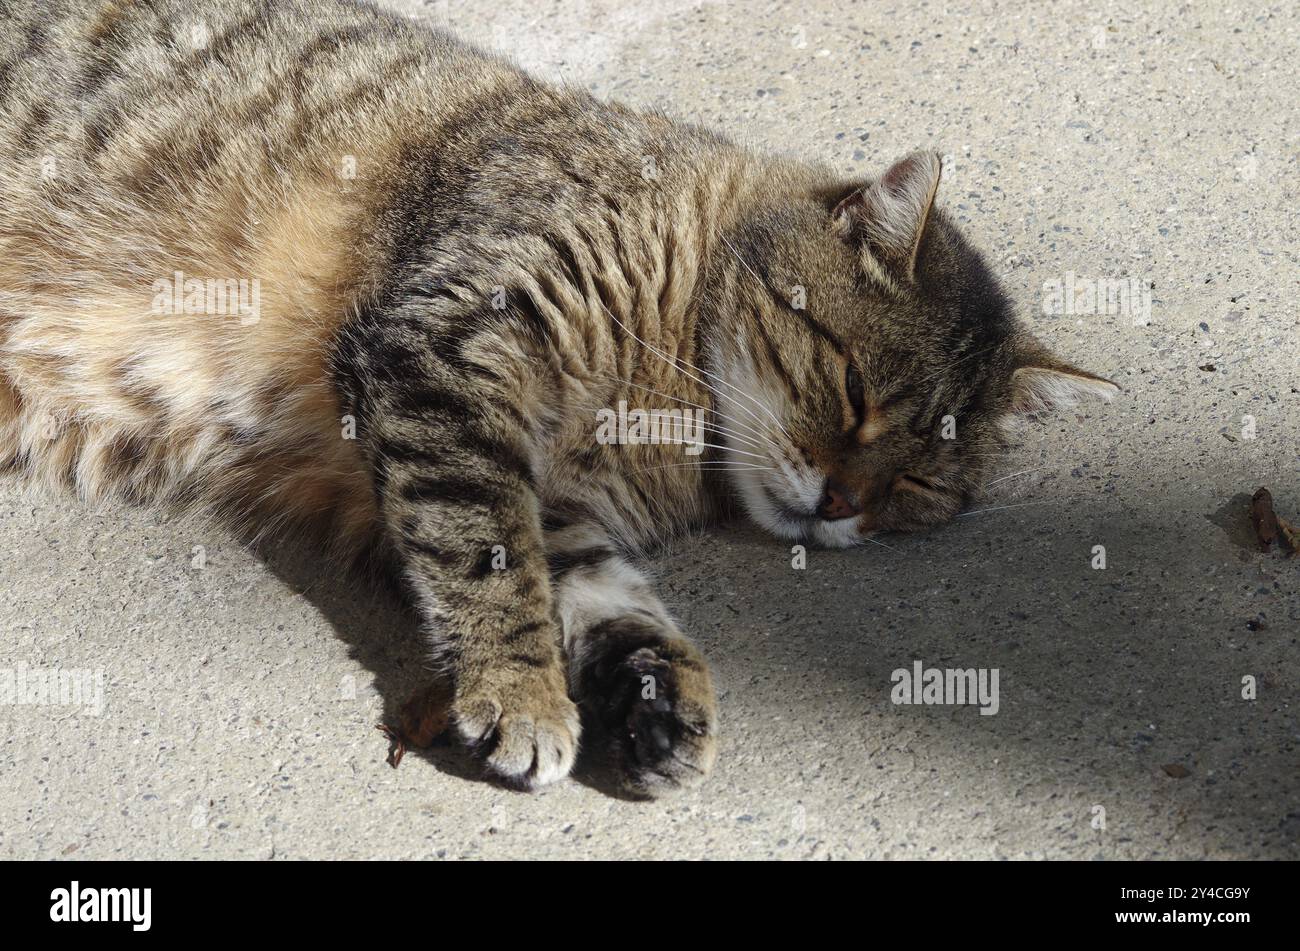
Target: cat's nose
[{"x": 837, "y": 502}]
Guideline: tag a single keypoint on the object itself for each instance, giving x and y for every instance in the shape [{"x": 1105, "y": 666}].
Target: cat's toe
[
  {"x": 657, "y": 708},
  {"x": 526, "y": 731}
]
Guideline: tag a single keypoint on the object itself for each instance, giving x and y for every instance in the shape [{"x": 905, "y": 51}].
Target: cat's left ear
[
  {"x": 888, "y": 215},
  {"x": 1043, "y": 382}
]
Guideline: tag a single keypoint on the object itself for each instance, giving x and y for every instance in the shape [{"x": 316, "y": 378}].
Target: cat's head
[{"x": 870, "y": 363}]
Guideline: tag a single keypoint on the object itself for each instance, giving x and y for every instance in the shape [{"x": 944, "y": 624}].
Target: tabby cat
[{"x": 314, "y": 265}]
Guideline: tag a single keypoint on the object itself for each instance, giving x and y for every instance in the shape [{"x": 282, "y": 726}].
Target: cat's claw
[{"x": 526, "y": 730}]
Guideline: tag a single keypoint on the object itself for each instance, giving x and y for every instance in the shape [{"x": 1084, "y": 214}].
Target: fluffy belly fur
[
  {"x": 141, "y": 159},
  {"x": 103, "y": 389}
]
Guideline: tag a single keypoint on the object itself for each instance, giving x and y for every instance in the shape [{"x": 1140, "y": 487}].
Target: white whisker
[
  {"x": 707, "y": 425},
  {"x": 763, "y": 284},
  {"x": 711, "y": 445},
  {"x": 749, "y": 431},
  {"x": 868, "y": 538},
  {"x": 678, "y": 363},
  {"x": 1014, "y": 475},
  {"x": 713, "y": 466},
  {"x": 999, "y": 508}
]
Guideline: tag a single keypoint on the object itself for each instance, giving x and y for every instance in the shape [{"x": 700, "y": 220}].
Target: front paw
[
  {"x": 651, "y": 692},
  {"x": 522, "y": 723}
]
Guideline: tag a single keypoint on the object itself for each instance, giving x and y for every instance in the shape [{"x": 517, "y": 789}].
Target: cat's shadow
[{"x": 371, "y": 613}]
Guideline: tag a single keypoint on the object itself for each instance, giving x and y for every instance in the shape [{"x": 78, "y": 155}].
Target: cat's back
[
  {"x": 118, "y": 83},
  {"x": 197, "y": 195}
]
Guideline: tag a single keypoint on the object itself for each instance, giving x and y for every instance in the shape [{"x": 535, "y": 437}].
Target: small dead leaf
[
  {"x": 396, "y": 745},
  {"x": 1176, "y": 770},
  {"x": 424, "y": 718},
  {"x": 1263, "y": 519}
]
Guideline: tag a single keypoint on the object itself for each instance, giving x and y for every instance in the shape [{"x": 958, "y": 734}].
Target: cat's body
[
  {"x": 142, "y": 157},
  {"x": 448, "y": 269}
]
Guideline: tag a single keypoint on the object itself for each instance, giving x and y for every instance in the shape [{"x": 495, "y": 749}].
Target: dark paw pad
[{"x": 654, "y": 701}]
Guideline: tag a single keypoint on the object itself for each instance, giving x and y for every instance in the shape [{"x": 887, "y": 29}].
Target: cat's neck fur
[{"x": 617, "y": 281}]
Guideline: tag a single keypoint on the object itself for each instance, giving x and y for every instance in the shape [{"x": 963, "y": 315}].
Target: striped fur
[{"x": 450, "y": 268}]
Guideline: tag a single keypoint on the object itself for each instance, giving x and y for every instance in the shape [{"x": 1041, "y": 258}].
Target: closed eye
[
  {"x": 856, "y": 391},
  {"x": 911, "y": 482}
]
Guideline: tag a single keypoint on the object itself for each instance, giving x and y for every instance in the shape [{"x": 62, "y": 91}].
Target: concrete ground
[{"x": 1084, "y": 142}]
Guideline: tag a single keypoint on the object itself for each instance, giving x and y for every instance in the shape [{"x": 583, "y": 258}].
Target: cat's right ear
[
  {"x": 1045, "y": 382},
  {"x": 887, "y": 216}
]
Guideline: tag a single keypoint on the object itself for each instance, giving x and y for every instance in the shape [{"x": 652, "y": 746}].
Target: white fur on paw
[{"x": 531, "y": 736}]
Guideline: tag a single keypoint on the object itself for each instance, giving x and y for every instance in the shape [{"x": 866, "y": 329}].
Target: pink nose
[{"x": 837, "y": 502}]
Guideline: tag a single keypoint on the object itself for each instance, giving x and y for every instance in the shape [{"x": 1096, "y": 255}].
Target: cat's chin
[{"x": 840, "y": 533}]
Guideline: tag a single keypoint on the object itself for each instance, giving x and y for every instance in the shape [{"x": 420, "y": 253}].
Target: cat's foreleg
[
  {"x": 630, "y": 666},
  {"x": 454, "y": 482}
]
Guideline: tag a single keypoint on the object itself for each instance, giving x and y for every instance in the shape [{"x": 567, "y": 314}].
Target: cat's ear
[
  {"x": 888, "y": 215},
  {"x": 1044, "y": 382}
]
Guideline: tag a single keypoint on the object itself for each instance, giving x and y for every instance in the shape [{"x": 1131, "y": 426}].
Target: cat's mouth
[
  {"x": 803, "y": 523},
  {"x": 790, "y": 514},
  {"x": 783, "y": 509}
]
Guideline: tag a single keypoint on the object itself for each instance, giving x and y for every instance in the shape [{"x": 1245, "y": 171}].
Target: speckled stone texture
[{"x": 240, "y": 699}]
